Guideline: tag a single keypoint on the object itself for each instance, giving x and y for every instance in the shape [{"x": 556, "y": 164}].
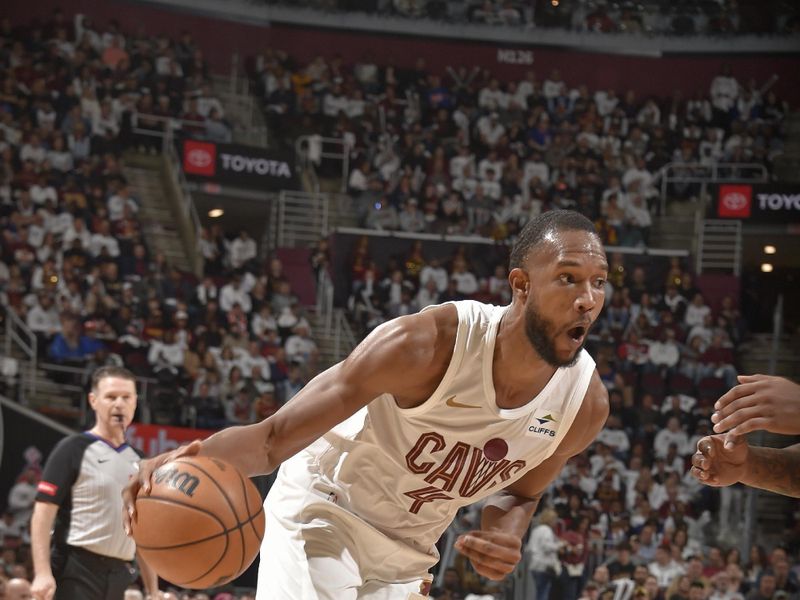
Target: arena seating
[{"x": 457, "y": 155}]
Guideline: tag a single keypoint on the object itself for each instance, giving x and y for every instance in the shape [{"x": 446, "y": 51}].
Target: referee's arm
[{"x": 44, "y": 515}]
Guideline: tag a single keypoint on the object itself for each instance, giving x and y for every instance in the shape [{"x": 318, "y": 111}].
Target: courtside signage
[{"x": 238, "y": 166}]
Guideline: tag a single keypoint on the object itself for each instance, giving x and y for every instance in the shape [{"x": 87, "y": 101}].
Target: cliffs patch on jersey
[{"x": 457, "y": 470}]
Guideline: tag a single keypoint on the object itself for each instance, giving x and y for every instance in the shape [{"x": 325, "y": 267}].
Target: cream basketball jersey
[{"x": 406, "y": 472}]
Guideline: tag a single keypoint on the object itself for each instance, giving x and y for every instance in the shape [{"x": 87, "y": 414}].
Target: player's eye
[
  {"x": 566, "y": 278},
  {"x": 600, "y": 283}
]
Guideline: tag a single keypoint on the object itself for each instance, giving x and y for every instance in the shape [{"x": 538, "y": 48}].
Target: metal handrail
[
  {"x": 717, "y": 172},
  {"x": 304, "y": 142},
  {"x": 25, "y": 339},
  {"x": 187, "y": 202}
]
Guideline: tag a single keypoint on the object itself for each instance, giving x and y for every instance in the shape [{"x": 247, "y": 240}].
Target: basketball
[{"x": 201, "y": 524}]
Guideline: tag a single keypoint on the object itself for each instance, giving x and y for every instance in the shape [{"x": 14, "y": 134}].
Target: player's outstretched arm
[
  {"x": 496, "y": 548},
  {"x": 721, "y": 462},
  {"x": 758, "y": 402},
  {"x": 404, "y": 357}
]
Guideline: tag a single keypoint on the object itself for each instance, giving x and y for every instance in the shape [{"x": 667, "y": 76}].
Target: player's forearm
[
  {"x": 774, "y": 469},
  {"x": 41, "y": 524},
  {"x": 509, "y": 513}
]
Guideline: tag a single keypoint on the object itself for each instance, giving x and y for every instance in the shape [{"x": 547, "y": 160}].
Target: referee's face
[{"x": 113, "y": 402}]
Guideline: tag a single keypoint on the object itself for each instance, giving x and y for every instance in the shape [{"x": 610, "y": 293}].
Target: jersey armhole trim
[
  {"x": 455, "y": 363},
  {"x": 576, "y": 401}
]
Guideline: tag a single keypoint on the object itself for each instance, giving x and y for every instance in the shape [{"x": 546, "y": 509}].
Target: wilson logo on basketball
[
  {"x": 735, "y": 201},
  {"x": 199, "y": 158},
  {"x": 177, "y": 480}
]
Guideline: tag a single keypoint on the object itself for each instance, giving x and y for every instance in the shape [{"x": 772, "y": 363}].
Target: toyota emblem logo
[
  {"x": 734, "y": 201},
  {"x": 198, "y": 158}
]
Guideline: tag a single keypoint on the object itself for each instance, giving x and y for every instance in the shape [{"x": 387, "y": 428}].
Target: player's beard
[{"x": 542, "y": 334}]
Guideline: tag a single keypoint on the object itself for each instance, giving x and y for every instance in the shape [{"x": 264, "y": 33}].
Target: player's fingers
[
  {"x": 742, "y": 415},
  {"x": 706, "y": 446},
  {"x": 480, "y": 545},
  {"x": 488, "y": 572},
  {"x": 734, "y": 409},
  {"x": 739, "y": 431},
  {"x": 739, "y": 391},
  {"x": 700, "y": 461},
  {"x": 483, "y": 556}
]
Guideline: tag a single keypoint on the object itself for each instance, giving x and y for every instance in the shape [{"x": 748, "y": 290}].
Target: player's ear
[
  {"x": 93, "y": 400},
  {"x": 520, "y": 283}
]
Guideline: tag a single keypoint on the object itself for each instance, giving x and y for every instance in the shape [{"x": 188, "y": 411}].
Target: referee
[{"x": 87, "y": 555}]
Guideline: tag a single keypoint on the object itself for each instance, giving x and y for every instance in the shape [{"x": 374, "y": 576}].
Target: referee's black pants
[{"x": 89, "y": 576}]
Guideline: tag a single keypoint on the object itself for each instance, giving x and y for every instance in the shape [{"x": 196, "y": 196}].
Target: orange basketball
[{"x": 201, "y": 524}]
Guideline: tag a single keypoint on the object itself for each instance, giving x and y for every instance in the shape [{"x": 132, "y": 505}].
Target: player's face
[
  {"x": 567, "y": 278},
  {"x": 114, "y": 402}
]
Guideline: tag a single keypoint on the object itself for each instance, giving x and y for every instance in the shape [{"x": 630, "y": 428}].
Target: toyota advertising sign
[
  {"x": 238, "y": 166},
  {"x": 759, "y": 203}
]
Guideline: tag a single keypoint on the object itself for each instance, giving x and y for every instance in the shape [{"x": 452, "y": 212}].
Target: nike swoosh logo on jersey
[
  {"x": 102, "y": 460},
  {"x": 452, "y": 403}
]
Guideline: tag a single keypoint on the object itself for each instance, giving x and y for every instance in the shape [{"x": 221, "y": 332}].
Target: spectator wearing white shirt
[
  {"x": 233, "y": 293},
  {"x": 664, "y": 568},
  {"x": 410, "y": 218},
  {"x": 491, "y": 161},
  {"x": 492, "y": 97},
  {"x": 664, "y": 352},
  {"x": 207, "y": 102},
  {"x": 724, "y": 91},
  {"x": 427, "y": 294},
  {"x": 33, "y": 150},
  {"x": 435, "y": 271},
  {"x": 43, "y": 318},
  {"x": 58, "y": 156},
  {"x": 117, "y": 203},
  {"x": 166, "y": 355},
  {"x": 242, "y": 250},
  {"x": 460, "y": 160},
  {"x": 543, "y": 547},
  {"x": 552, "y": 85},
  {"x": 613, "y": 436},
  {"x": 696, "y": 311},
  {"x": 673, "y": 434},
  {"x": 466, "y": 282},
  {"x": 263, "y": 322},
  {"x": 490, "y": 129},
  {"x": 41, "y": 192},
  {"x": 536, "y": 169},
  {"x": 335, "y": 102},
  {"x": 300, "y": 346},
  {"x": 103, "y": 240},
  {"x": 254, "y": 366},
  {"x": 491, "y": 186}
]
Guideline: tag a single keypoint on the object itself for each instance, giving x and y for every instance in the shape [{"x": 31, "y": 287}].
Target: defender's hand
[
  {"x": 720, "y": 464},
  {"x": 142, "y": 479},
  {"x": 494, "y": 554},
  {"x": 758, "y": 402}
]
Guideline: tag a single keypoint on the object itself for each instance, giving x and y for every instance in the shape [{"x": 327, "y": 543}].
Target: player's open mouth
[
  {"x": 118, "y": 417},
  {"x": 576, "y": 334}
]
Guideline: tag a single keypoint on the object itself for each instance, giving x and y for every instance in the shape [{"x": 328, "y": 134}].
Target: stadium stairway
[
  {"x": 161, "y": 221},
  {"x": 787, "y": 165}
]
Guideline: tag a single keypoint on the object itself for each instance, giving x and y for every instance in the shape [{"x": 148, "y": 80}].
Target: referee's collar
[{"x": 117, "y": 449}]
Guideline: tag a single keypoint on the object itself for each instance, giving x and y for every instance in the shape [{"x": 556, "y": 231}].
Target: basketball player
[
  {"x": 431, "y": 412},
  {"x": 758, "y": 402}
]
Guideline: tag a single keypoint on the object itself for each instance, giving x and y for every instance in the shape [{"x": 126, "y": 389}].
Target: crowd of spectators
[
  {"x": 650, "y": 17},
  {"x": 465, "y": 153},
  {"x": 75, "y": 265}
]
